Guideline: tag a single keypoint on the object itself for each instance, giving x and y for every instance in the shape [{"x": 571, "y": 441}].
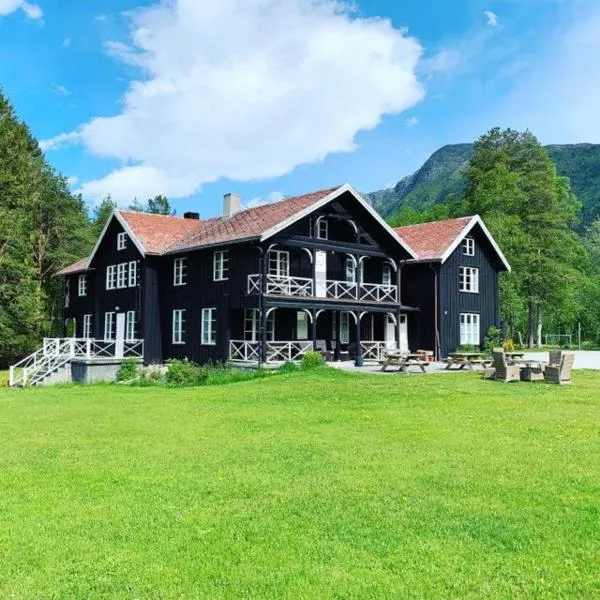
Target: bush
[
  {"x": 508, "y": 345},
  {"x": 128, "y": 370},
  {"x": 493, "y": 339},
  {"x": 468, "y": 348},
  {"x": 289, "y": 366},
  {"x": 312, "y": 360},
  {"x": 184, "y": 372}
]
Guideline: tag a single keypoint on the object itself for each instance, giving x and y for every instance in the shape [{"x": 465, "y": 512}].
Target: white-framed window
[
  {"x": 469, "y": 280},
  {"x": 468, "y": 246},
  {"x": 122, "y": 275},
  {"x": 386, "y": 275},
  {"x": 130, "y": 326},
  {"x": 86, "y": 332},
  {"x": 252, "y": 325},
  {"x": 67, "y": 293},
  {"x": 180, "y": 271},
  {"x": 208, "y": 333},
  {"x": 133, "y": 273},
  {"x": 221, "y": 265},
  {"x": 350, "y": 270},
  {"x": 121, "y": 241},
  {"x": 344, "y": 327},
  {"x": 279, "y": 263},
  {"x": 301, "y": 325},
  {"x": 111, "y": 277},
  {"x": 323, "y": 229},
  {"x": 469, "y": 329},
  {"x": 178, "y": 323},
  {"x": 109, "y": 326},
  {"x": 82, "y": 285}
]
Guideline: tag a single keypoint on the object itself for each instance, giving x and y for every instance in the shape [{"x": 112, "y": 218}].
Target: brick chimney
[{"x": 232, "y": 204}]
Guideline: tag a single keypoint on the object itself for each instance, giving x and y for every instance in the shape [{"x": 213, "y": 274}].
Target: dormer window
[
  {"x": 121, "y": 241},
  {"x": 323, "y": 230},
  {"x": 468, "y": 246}
]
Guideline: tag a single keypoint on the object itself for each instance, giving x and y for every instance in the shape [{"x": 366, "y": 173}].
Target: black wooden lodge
[{"x": 267, "y": 284}]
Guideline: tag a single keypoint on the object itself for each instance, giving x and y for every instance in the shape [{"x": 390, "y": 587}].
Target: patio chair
[
  {"x": 504, "y": 371},
  {"x": 560, "y": 374},
  {"x": 321, "y": 346},
  {"x": 555, "y": 357}
]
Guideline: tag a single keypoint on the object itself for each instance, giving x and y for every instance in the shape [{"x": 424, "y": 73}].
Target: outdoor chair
[
  {"x": 560, "y": 374},
  {"x": 504, "y": 371},
  {"x": 555, "y": 357},
  {"x": 321, "y": 347}
]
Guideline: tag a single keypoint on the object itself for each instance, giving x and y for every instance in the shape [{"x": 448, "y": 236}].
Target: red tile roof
[
  {"x": 431, "y": 240},
  {"x": 78, "y": 267}
]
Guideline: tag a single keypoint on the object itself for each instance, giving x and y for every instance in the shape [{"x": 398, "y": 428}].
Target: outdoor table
[
  {"x": 531, "y": 370},
  {"x": 403, "y": 361},
  {"x": 465, "y": 359}
]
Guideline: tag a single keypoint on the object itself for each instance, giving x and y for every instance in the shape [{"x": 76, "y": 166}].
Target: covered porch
[{"x": 338, "y": 333}]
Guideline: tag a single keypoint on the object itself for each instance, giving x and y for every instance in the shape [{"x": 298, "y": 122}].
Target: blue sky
[{"x": 279, "y": 97}]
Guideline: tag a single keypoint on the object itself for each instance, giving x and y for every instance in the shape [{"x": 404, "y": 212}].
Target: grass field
[{"x": 321, "y": 485}]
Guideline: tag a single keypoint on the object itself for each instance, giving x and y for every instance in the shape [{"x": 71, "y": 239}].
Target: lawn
[{"x": 321, "y": 485}]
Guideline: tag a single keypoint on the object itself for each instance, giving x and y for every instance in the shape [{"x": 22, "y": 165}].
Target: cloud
[
  {"x": 32, "y": 11},
  {"x": 60, "y": 90},
  {"x": 445, "y": 61},
  {"x": 66, "y": 42},
  {"x": 59, "y": 141},
  {"x": 412, "y": 121},
  {"x": 72, "y": 181},
  {"x": 286, "y": 83},
  {"x": 492, "y": 18},
  {"x": 272, "y": 197}
]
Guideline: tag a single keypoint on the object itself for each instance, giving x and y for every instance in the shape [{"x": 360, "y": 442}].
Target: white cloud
[
  {"x": 272, "y": 197},
  {"x": 287, "y": 83},
  {"x": 59, "y": 141},
  {"x": 443, "y": 62},
  {"x": 60, "y": 90},
  {"x": 66, "y": 42},
  {"x": 32, "y": 11},
  {"x": 72, "y": 181},
  {"x": 492, "y": 18},
  {"x": 412, "y": 121}
]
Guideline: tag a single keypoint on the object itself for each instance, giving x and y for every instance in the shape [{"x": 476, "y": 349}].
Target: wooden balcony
[{"x": 302, "y": 287}]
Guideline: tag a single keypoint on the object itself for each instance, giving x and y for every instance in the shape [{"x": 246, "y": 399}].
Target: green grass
[{"x": 310, "y": 485}]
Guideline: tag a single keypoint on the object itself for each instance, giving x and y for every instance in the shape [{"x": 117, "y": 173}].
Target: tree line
[
  {"x": 532, "y": 213},
  {"x": 43, "y": 228}
]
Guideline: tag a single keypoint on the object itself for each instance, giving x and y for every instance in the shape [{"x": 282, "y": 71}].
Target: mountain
[{"x": 440, "y": 177}]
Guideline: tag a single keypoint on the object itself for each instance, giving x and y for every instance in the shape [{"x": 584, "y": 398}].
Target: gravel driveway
[{"x": 584, "y": 359}]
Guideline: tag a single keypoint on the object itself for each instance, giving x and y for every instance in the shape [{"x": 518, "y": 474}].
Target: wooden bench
[{"x": 403, "y": 364}]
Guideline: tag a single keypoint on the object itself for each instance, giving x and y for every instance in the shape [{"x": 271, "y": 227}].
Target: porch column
[
  {"x": 338, "y": 319},
  {"x": 358, "y": 361},
  {"x": 399, "y": 281},
  {"x": 357, "y": 278},
  {"x": 313, "y": 313},
  {"x": 262, "y": 353},
  {"x": 314, "y": 273},
  {"x": 398, "y": 330},
  {"x": 263, "y": 334}
]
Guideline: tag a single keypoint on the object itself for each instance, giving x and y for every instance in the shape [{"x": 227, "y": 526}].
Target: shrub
[
  {"x": 184, "y": 372},
  {"x": 312, "y": 360},
  {"x": 129, "y": 369},
  {"x": 468, "y": 348},
  {"x": 493, "y": 339},
  {"x": 508, "y": 345},
  {"x": 289, "y": 366}
]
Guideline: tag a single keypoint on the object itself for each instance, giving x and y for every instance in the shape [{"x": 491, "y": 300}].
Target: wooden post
[
  {"x": 338, "y": 320},
  {"x": 313, "y": 314},
  {"x": 358, "y": 361}
]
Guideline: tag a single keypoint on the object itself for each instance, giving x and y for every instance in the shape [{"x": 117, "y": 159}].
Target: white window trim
[
  {"x": 212, "y": 319},
  {"x": 350, "y": 271},
  {"x": 252, "y": 325},
  {"x": 130, "y": 323},
  {"x": 121, "y": 276},
  {"x": 470, "y": 333},
  {"x": 468, "y": 246},
  {"x": 67, "y": 293},
  {"x": 82, "y": 285},
  {"x": 470, "y": 274},
  {"x": 133, "y": 274},
  {"x": 86, "y": 331},
  {"x": 323, "y": 229},
  {"x": 279, "y": 254},
  {"x": 109, "y": 317},
  {"x": 302, "y": 316},
  {"x": 180, "y": 271},
  {"x": 121, "y": 240},
  {"x": 344, "y": 327},
  {"x": 179, "y": 320},
  {"x": 386, "y": 273},
  {"x": 111, "y": 277},
  {"x": 221, "y": 265}
]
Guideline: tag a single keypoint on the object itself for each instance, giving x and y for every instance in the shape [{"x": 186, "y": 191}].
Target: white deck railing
[
  {"x": 334, "y": 289},
  {"x": 57, "y": 352},
  {"x": 241, "y": 351},
  {"x": 374, "y": 350}
]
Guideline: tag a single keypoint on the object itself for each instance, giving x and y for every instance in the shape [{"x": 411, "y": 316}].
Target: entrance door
[
  {"x": 403, "y": 334},
  {"x": 321, "y": 274},
  {"x": 390, "y": 333},
  {"x": 120, "y": 336}
]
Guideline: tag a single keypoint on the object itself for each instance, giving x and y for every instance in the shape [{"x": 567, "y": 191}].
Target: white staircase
[{"x": 52, "y": 362}]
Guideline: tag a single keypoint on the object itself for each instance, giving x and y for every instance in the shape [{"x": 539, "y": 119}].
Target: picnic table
[
  {"x": 466, "y": 360},
  {"x": 514, "y": 356},
  {"x": 403, "y": 361}
]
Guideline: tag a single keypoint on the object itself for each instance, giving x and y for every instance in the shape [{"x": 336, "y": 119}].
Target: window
[
  {"x": 252, "y": 325},
  {"x": 82, "y": 285},
  {"x": 121, "y": 275},
  {"x": 179, "y": 271},
  {"x": 469, "y": 329},
  {"x": 301, "y": 325},
  {"x": 350, "y": 270},
  {"x": 386, "y": 275},
  {"x": 133, "y": 273},
  {"x": 67, "y": 293},
  {"x": 221, "y": 265},
  {"x": 178, "y": 331},
  {"x": 469, "y": 280},
  {"x": 279, "y": 263},
  {"x": 344, "y": 327},
  {"x": 111, "y": 277},
  {"x": 121, "y": 241},
  {"x": 209, "y": 327},
  {"x": 87, "y": 327},
  {"x": 109, "y": 326},
  {"x": 468, "y": 246},
  {"x": 323, "y": 229},
  {"x": 130, "y": 326}
]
